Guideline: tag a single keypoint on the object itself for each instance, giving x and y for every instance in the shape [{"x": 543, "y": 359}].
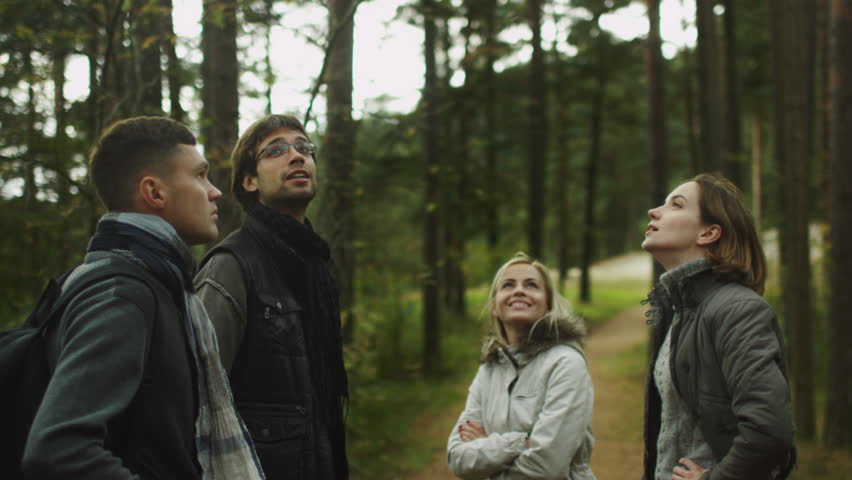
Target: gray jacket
[
  {"x": 728, "y": 366},
  {"x": 536, "y": 407}
]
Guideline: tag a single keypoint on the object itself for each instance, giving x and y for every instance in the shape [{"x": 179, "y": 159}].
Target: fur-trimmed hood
[{"x": 545, "y": 333}]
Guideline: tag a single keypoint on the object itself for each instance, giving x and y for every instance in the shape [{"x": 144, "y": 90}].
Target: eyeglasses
[{"x": 276, "y": 149}]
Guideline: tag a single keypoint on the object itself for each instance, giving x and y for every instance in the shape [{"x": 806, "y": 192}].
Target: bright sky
[{"x": 388, "y": 57}]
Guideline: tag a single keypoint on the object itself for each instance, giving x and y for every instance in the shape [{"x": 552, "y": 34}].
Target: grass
[{"x": 389, "y": 431}]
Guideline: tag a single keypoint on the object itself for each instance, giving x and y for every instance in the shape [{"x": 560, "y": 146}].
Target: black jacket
[
  {"x": 122, "y": 401},
  {"x": 728, "y": 365},
  {"x": 270, "y": 376}
]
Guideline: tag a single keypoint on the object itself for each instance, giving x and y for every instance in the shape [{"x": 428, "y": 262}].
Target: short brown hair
[
  {"x": 737, "y": 255},
  {"x": 130, "y": 148},
  {"x": 244, "y": 156}
]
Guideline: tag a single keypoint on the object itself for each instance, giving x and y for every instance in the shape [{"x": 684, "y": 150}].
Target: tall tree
[
  {"x": 339, "y": 199},
  {"x": 792, "y": 34},
  {"x": 600, "y": 75},
  {"x": 757, "y": 169},
  {"x": 457, "y": 220},
  {"x": 490, "y": 110},
  {"x": 732, "y": 163},
  {"x": 537, "y": 143},
  {"x": 220, "y": 109},
  {"x": 657, "y": 150},
  {"x": 429, "y": 112},
  {"x": 173, "y": 70},
  {"x": 689, "y": 114},
  {"x": 149, "y": 18},
  {"x": 709, "y": 96},
  {"x": 824, "y": 117},
  {"x": 838, "y": 425},
  {"x": 561, "y": 184}
]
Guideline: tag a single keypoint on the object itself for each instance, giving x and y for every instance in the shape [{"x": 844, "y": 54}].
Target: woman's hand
[
  {"x": 471, "y": 431},
  {"x": 693, "y": 471}
]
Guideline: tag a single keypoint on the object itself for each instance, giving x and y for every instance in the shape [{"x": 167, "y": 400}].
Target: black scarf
[
  {"x": 171, "y": 266},
  {"x": 298, "y": 250}
]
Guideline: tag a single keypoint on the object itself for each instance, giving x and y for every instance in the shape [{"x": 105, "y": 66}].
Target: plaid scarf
[{"x": 224, "y": 447}]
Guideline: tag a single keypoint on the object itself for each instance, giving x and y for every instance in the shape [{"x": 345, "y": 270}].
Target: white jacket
[{"x": 537, "y": 412}]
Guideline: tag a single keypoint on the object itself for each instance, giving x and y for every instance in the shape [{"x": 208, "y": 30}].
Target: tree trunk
[
  {"x": 709, "y": 92},
  {"x": 591, "y": 183},
  {"x": 689, "y": 111},
  {"x": 537, "y": 146},
  {"x": 563, "y": 169},
  {"x": 838, "y": 425},
  {"x": 465, "y": 112},
  {"x": 733, "y": 165},
  {"x": 335, "y": 18},
  {"x": 220, "y": 109},
  {"x": 147, "y": 33},
  {"x": 823, "y": 54},
  {"x": 757, "y": 171},
  {"x": 792, "y": 35},
  {"x": 448, "y": 168},
  {"x": 492, "y": 216},
  {"x": 657, "y": 149},
  {"x": 173, "y": 68},
  {"x": 431, "y": 311},
  {"x": 339, "y": 199}
]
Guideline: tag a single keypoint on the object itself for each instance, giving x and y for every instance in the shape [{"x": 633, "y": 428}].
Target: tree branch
[{"x": 332, "y": 39}]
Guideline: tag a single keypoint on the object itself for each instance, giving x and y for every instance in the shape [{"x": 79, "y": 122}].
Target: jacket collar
[
  {"x": 545, "y": 334},
  {"x": 682, "y": 287}
]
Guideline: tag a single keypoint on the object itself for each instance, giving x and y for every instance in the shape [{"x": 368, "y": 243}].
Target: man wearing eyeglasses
[{"x": 269, "y": 291}]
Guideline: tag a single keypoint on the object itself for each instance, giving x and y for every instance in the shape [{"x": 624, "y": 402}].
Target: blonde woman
[{"x": 529, "y": 409}]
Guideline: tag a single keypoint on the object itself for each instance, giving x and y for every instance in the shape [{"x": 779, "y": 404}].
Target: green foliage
[{"x": 391, "y": 402}]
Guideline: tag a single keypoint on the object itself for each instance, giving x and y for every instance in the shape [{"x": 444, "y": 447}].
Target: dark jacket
[
  {"x": 259, "y": 325},
  {"x": 728, "y": 365},
  {"x": 122, "y": 401}
]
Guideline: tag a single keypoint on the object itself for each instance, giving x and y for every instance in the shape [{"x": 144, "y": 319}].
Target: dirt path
[
  {"x": 618, "y": 379},
  {"x": 619, "y": 383}
]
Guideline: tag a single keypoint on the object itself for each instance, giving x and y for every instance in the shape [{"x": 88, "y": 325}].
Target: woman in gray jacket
[
  {"x": 717, "y": 403},
  {"x": 529, "y": 410}
]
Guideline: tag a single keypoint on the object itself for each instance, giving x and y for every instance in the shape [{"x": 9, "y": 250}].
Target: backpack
[
  {"x": 24, "y": 374},
  {"x": 24, "y": 369}
]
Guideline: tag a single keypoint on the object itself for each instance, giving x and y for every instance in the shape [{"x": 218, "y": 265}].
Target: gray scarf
[{"x": 224, "y": 447}]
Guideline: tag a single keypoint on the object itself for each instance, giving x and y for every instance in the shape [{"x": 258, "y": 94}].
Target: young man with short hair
[
  {"x": 272, "y": 298},
  {"x": 137, "y": 389}
]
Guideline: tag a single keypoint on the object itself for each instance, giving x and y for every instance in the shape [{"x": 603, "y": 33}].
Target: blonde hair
[{"x": 558, "y": 318}]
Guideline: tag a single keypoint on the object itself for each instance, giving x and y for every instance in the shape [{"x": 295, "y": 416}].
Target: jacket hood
[{"x": 545, "y": 333}]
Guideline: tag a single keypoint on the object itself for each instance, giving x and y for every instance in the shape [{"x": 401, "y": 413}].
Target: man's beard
[{"x": 287, "y": 201}]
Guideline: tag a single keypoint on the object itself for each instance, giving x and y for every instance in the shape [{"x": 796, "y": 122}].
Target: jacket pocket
[
  {"x": 718, "y": 422},
  {"x": 525, "y": 409},
  {"x": 278, "y": 433},
  {"x": 281, "y": 321}
]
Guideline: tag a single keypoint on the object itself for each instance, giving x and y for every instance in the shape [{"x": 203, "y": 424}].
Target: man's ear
[
  {"x": 152, "y": 192},
  {"x": 709, "y": 235},
  {"x": 250, "y": 183}
]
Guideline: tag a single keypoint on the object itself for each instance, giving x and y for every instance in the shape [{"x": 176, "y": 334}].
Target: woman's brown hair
[{"x": 737, "y": 255}]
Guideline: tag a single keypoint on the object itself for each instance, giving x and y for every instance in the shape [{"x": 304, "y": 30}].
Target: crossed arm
[{"x": 546, "y": 450}]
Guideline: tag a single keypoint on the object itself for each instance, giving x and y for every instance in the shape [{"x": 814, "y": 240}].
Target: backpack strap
[{"x": 44, "y": 311}]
